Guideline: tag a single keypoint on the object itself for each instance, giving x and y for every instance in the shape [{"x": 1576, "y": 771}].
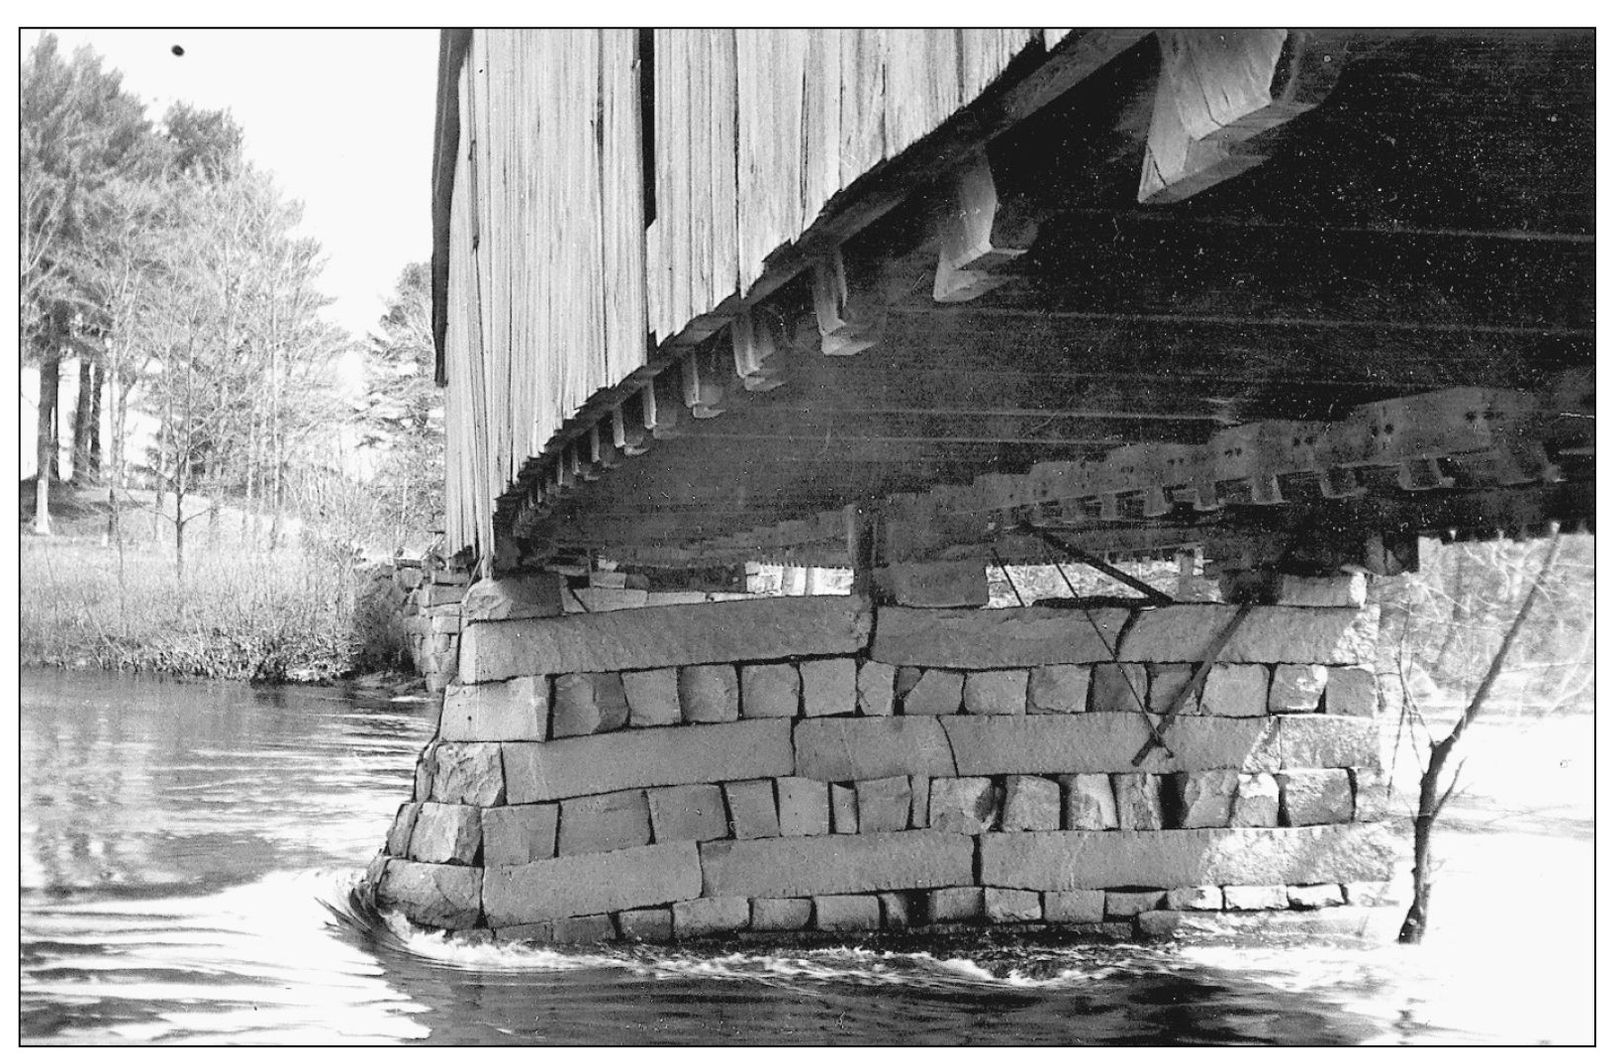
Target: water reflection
[{"x": 189, "y": 852}]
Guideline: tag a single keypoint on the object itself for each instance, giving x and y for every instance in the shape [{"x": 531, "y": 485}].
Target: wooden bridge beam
[{"x": 1219, "y": 88}]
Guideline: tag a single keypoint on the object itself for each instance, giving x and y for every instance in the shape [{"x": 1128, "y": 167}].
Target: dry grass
[{"x": 285, "y": 615}]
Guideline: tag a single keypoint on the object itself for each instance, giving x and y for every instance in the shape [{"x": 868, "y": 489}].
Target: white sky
[{"x": 343, "y": 118}]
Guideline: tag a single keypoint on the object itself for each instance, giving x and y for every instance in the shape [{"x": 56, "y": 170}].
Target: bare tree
[{"x": 1433, "y": 796}]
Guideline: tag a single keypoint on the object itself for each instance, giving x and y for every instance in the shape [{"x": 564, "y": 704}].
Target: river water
[{"x": 188, "y": 852}]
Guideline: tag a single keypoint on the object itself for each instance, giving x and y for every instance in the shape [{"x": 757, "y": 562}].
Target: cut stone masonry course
[
  {"x": 1009, "y": 905},
  {"x": 1138, "y": 800},
  {"x": 876, "y": 688},
  {"x": 1206, "y": 798},
  {"x": 1119, "y": 688},
  {"x": 780, "y": 915},
  {"x": 1078, "y": 907},
  {"x": 468, "y": 773},
  {"x": 994, "y": 638},
  {"x": 934, "y": 693},
  {"x": 446, "y": 833},
  {"x": 1185, "y": 858},
  {"x": 1166, "y": 681},
  {"x": 1235, "y": 690},
  {"x": 934, "y": 585},
  {"x": 1327, "y": 741},
  {"x": 646, "y": 926},
  {"x": 514, "y": 598},
  {"x": 1313, "y": 897},
  {"x": 1196, "y": 897},
  {"x": 399, "y": 838},
  {"x": 664, "y": 637},
  {"x": 652, "y": 697},
  {"x": 1370, "y": 794},
  {"x": 710, "y": 916},
  {"x": 1256, "y": 801},
  {"x": 1001, "y": 692},
  {"x": 516, "y": 710},
  {"x": 1351, "y": 692},
  {"x": 687, "y": 813},
  {"x": 884, "y": 805},
  {"x": 1314, "y": 797},
  {"x": 837, "y": 865},
  {"x": 591, "y": 884},
  {"x": 1102, "y": 743},
  {"x": 1058, "y": 688},
  {"x": 751, "y": 809},
  {"x": 1030, "y": 803},
  {"x": 962, "y": 805},
  {"x": 1297, "y": 688},
  {"x": 769, "y": 690},
  {"x": 588, "y": 703},
  {"x": 445, "y": 897},
  {"x": 964, "y": 903},
  {"x": 1268, "y": 635},
  {"x": 709, "y": 693},
  {"x": 828, "y": 687},
  {"x": 1346, "y": 590},
  {"x": 803, "y": 809},
  {"x": 828, "y": 821},
  {"x": 1089, "y": 801},
  {"x": 1254, "y": 897},
  {"x": 607, "y": 822},
  {"x": 844, "y": 750},
  {"x": 633, "y": 759},
  {"x": 845, "y": 913},
  {"x": 842, "y": 800},
  {"x": 516, "y": 835}
]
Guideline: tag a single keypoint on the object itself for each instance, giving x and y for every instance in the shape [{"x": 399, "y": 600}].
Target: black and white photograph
[{"x": 730, "y": 535}]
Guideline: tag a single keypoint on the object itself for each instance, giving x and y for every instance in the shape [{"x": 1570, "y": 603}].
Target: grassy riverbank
[{"x": 276, "y": 616}]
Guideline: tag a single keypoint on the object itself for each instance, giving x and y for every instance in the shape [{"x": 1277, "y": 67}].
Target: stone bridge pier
[{"x": 828, "y": 764}]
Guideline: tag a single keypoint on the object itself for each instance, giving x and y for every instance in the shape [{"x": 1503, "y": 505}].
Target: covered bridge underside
[{"x": 1357, "y": 305}]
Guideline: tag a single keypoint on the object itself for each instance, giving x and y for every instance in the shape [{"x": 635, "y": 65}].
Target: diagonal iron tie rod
[
  {"x": 1188, "y": 689},
  {"x": 1070, "y": 550},
  {"x": 1115, "y": 658}
]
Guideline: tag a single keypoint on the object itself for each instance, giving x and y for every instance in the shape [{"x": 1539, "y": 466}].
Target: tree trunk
[
  {"x": 1414, "y": 922},
  {"x": 50, "y": 377},
  {"x": 98, "y": 378},
  {"x": 180, "y": 537},
  {"x": 84, "y": 424},
  {"x": 1431, "y": 802}
]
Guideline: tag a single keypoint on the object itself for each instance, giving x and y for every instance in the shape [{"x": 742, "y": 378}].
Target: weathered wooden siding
[
  {"x": 813, "y": 109},
  {"x": 546, "y": 264},
  {"x": 556, "y": 278}
]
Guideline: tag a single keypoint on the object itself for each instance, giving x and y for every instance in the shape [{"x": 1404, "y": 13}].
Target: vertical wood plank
[
  {"x": 862, "y": 102},
  {"x": 675, "y": 143},
  {"x": 771, "y": 65},
  {"x": 700, "y": 129},
  {"x": 723, "y": 83},
  {"x": 624, "y": 270},
  {"x": 987, "y": 53},
  {"x": 921, "y": 83},
  {"x": 820, "y": 155}
]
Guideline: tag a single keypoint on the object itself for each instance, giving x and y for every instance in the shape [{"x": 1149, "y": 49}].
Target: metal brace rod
[
  {"x": 1143, "y": 709},
  {"x": 1070, "y": 550},
  {"x": 1187, "y": 691}
]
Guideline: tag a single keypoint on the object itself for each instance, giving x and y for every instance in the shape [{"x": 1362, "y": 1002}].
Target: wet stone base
[
  {"x": 800, "y": 926},
  {"x": 813, "y": 766}
]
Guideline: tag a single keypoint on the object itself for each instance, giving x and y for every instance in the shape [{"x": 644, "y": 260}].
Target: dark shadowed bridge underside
[{"x": 1375, "y": 315}]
